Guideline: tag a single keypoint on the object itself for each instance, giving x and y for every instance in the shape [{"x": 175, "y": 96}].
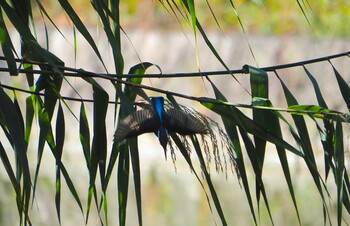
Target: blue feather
[
  {"x": 159, "y": 121},
  {"x": 158, "y": 106}
]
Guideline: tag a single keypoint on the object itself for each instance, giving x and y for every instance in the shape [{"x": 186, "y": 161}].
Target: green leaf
[
  {"x": 7, "y": 47},
  {"x": 259, "y": 89},
  {"x": 339, "y": 168},
  {"x": 123, "y": 182},
  {"x": 192, "y": 10},
  {"x": 99, "y": 143},
  {"x": 71, "y": 187},
  {"x": 15, "y": 129},
  {"x": 84, "y": 133},
  {"x": 231, "y": 130},
  {"x": 135, "y": 162},
  {"x": 305, "y": 144},
  {"x": 130, "y": 91},
  {"x": 232, "y": 113},
  {"x": 29, "y": 118},
  {"x": 343, "y": 86},
  {"x": 274, "y": 126},
  {"x": 11, "y": 175},
  {"x": 81, "y": 28},
  {"x": 113, "y": 37},
  {"x": 60, "y": 132},
  {"x": 327, "y": 133}
]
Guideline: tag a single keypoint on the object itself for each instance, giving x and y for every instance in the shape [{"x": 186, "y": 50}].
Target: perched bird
[{"x": 160, "y": 121}]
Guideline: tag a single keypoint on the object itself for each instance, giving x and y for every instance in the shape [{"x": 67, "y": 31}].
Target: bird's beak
[{"x": 164, "y": 147}]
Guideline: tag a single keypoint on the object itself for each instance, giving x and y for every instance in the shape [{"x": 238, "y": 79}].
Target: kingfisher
[{"x": 160, "y": 121}]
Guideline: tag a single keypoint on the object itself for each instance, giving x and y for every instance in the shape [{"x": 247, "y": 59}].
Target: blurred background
[{"x": 276, "y": 32}]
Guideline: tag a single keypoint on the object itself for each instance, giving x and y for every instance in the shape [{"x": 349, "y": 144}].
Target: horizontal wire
[
  {"x": 73, "y": 72},
  {"x": 118, "y": 78},
  {"x": 201, "y": 100}
]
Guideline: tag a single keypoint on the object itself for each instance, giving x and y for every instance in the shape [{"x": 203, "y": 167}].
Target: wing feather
[
  {"x": 139, "y": 122},
  {"x": 180, "y": 122}
]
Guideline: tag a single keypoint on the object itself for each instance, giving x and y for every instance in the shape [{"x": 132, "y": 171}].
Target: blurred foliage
[{"x": 328, "y": 18}]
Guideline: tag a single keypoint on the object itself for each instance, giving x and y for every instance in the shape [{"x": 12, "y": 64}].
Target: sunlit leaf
[{"x": 231, "y": 129}]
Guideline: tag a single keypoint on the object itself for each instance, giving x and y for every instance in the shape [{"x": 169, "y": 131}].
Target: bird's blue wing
[
  {"x": 177, "y": 121},
  {"x": 139, "y": 122}
]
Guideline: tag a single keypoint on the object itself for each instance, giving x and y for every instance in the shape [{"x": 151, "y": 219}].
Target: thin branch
[
  {"x": 79, "y": 72},
  {"x": 343, "y": 116}
]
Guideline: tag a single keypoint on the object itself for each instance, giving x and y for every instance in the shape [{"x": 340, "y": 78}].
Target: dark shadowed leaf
[
  {"x": 15, "y": 129},
  {"x": 7, "y": 47}
]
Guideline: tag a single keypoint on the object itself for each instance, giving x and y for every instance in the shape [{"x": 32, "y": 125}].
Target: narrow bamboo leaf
[
  {"x": 274, "y": 126},
  {"x": 207, "y": 40},
  {"x": 29, "y": 118},
  {"x": 60, "y": 132},
  {"x": 31, "y": 49},
  {"x": 43, "y": 10},
  {"x": 230, "y": 112},
  {"x": 231, "y": 129},
  {"x": 19, "y": 112},
  {"x": 113, "y": 37},
  {"x": 192, "y": 10},
  {"x": 97, "y": 158},
  {"x": 99, "y": 143},
  {"x": 305, "y": 15},
  {"x": 84, "y": 132},
  {"x": 12, "y": 121},
  {"x": 140, "y": 69},
  {"x": 81, "y": 28},
  {"x": 259, "y": 89},
  {"x": 89, "y": 200},
  {"x": 105, "y": 206},
  {"x": 317, "y": 89},
  {"x": 45, "y": 135},
  {"x": 327, "y": 133},
  {"x": 71, "y": 186},
  {"x": 58, "y": 193},
  {"x": 7, "y": 47},
  {"x": 11, "y": 175},
  {"x": 339, "y": 168},
  {"x": 127, "y": 105},
  {"x": 214, "y": 196},
  {"x": 131, "y": 91},
  {"x": 44, "y": 122},
  {"x": 259, "y": 181},
  {"x": 123, "y": 183},
  {"x": 112, "y": 160},
  {"x": 213, "y": 15},
  {"x": 346, "y": 192},
  {"x": 135, "y": 162},
  {"x": 127, "y": 99},
  {"x": 305, "y": 145},
  {"x": 343, "y": 86}
]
